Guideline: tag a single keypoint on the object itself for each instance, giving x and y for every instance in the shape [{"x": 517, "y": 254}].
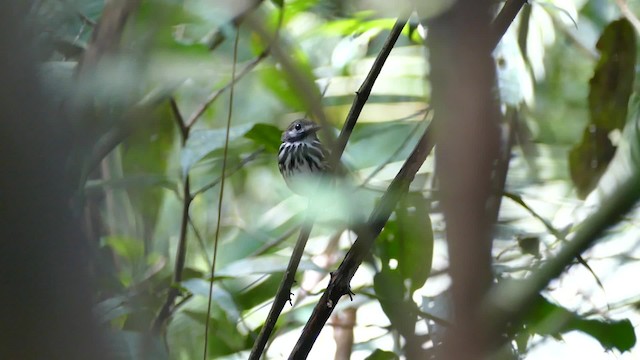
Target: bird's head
[{"x": 300, "y": 130}]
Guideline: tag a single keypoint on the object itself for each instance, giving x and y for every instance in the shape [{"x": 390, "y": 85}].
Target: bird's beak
[{"x": 316, "y": 127}]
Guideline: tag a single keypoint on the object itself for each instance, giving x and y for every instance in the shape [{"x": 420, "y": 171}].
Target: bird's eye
[{"x": 298, "y": 127}]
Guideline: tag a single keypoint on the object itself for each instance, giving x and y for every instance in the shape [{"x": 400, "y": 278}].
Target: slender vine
[{"x": 222, "y": 182}]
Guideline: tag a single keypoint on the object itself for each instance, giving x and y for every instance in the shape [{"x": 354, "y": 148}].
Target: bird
[{"x": 302, "y": 159}]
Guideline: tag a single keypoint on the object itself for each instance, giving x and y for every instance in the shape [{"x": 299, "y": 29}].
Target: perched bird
[{"x": 302, "y": 159}]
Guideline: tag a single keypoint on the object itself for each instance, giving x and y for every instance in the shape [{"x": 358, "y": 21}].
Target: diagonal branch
[
  {"x": 340, "y": 279},
  {"x": 284, "y": 290},
  {"x": 509, "y": 300},
  {"x": 504, "y": 19},
  {"x": 362, "y": 95}
]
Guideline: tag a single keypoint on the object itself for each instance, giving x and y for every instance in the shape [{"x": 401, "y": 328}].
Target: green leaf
[
  {"x": 609, "y": 93},
  {"x": 266, "y": 135},
  {"x": 389, "y": 287},
  {"x": 203, "y": 142},
  {"x": 382, "y": 355},
  {"x": 612, "y": 81},
  {"x": 275, "y": 80},
  {"x": 220, "y": 296},
  {"x": 224, "y": 337},
  {"x": 112, "y": 308},
  {"x": 145, "y": 154},
  {"x": 128, "y": 248},
  {"x": 546, "y": 318},
  {"x": 589, "y": 159},
  {"x": 415, "y": 239},
  {"x": 259, "y": 291}
]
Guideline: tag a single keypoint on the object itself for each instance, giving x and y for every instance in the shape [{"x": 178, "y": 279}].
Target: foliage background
[{"x": 133, "y": 199}]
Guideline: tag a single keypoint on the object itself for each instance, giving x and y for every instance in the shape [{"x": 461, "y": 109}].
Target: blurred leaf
[
  {"x": 278, "y": 3},
  {"x": 408, "y": 239},
  {"x": 259, "y": 291},
  {"x": 128, "y": 248},
  {"x": 130, "y": 345},
  {"x": 612, "y": 81},
  {"x": 224, "y": 337},
  {"x": 546, "y": 318},
  {"x": 203, "y": 142},
  {"x": 146, "y": 152},
  {"x": 275, "y": 80},
  {"x": 589, "y": 159},
  {"x": 610, "y": 89},
  {"x": 132, "y": 181},
  {"x": 415, "y": 237},
  {"x": 382, "y": 355},
  {"x": 262, "y": 265},
  {"x": 400, "y": 309},
  {"x": 266, "y": 135},
  {"x": 111, "y": 308},
  {"x": 356, "y": 25},
  {"x": 220, "y": 296}
]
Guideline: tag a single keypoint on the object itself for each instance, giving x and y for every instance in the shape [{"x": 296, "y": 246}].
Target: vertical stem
[{"x": 463, "y": 79}]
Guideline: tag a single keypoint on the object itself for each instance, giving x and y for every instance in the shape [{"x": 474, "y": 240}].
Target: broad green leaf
[
  {"x": 408, "y": 240},
  {"x": 259, "y": 291},
  {"x": 128, "y": 248},
  {"x": 546, "y": 318},
  {"x": 612, "y": 81},
  {"x": 266, "y": 135},
  {"x": 415, "y": 238},
  {"x": 382, "y": 355},
  {"x": 224, "y": 337},
  {"x": 203, "y": 142},
  {"x": 399, "y": 308},
  {"x": 609, "y": 93},
  {"x": 589, "y": 159},
  {"x": 219, "y": 295}
]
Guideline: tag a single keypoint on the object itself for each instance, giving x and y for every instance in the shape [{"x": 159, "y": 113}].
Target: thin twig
[
  {"x": 205, "y": 105},
  {"x": 266, "y": 247},
  {"x": 203, "y": 248},
  {"x": 555, "y": 232},
  {"x": 283, "y": 295},
  {"x": 219, "y": 36},
  {"x": 222, "y": 182},
  {"x": 284, "y": 290},
  {"x": 168, "y": 306},
  {"x": 235, "y": 169},
  {"x": 395, "y": 154},
  {"x": 362, "y": 95}
]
